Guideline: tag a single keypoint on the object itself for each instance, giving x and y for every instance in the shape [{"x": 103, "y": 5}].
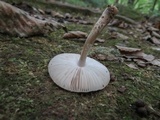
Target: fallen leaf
[
  {"x": 131, "y": 65},
  {"x": 128, "y": 50},
  {"x": 146, "y": 37},
  {"x": 147, "y": 57},
  {"x": 155, "y": 34},
  {"x": 135, "y": 53},
  {"x": 140, "y": 63},
  {"x": 100, "y": 40},
  {"x": 84, "y": 22},
  {"x": 75, "y": 34},
  {"x": 41, "y": 11},
  {"x": 155, "y": 40},
  {"x": 156, "y": 62},
  {"x": 152, "y": 29},
  {"x": 115, "y": 35},
  {"x": 56, "y": 14}
]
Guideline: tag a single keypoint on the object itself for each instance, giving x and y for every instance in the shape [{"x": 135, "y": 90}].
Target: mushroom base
[{"x": 66, "y": 73}]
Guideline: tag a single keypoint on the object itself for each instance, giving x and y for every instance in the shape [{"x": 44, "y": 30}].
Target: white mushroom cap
[{"x": 66, "y": 73}]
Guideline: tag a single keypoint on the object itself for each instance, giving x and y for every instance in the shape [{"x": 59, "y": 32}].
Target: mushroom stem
[{"x": 105, "y": 18}]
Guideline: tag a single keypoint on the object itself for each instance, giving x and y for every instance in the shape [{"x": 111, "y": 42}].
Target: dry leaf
[
  {"x": 56, "y": 14},
  {"x": 131, "y": 65},
  {"x": 115, "y": 35},
  {"x": 135, "y": 53},
  {"x": 155, "y": 34},
  {"x": 155, "y": 40},
  {"x": 75, "y": 34},
  {"x": 100, "y": 40},
  {"x": 41, "y": 11},
  {"x": 147, "y": 57},
  {"x": 156, "y": 62},
  {"x": 84, "y": 22},
  {"x": 140, "y": 62},
  {"x": 146, "y": 37},
  {"x": 81, "y": 35},
  {"x": 152, "y": 29},
  {"x": 128, "y": 50}
]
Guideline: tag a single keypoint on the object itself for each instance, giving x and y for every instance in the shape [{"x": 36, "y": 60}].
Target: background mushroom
[{"x": 79, "y": 73}]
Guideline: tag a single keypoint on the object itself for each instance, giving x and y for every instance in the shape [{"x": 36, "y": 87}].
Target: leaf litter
[
  {"x": 79, "y": 36},
  {"x": 137, "y": 56}
]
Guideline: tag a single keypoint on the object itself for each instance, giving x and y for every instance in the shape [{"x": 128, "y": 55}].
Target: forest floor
[{"x": 28, "y": 93}]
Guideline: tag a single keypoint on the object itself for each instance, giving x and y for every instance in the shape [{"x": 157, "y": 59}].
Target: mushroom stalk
[
  {"x": 79, "y": 73},
  {"x": 105, "y": 18}
]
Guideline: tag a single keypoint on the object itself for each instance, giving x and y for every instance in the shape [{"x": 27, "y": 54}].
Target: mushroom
[{"x": 79, "y": 73}]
